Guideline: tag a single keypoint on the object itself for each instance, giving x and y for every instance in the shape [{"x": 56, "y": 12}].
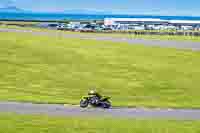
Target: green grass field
[
  {"x": 59, "y": 70},
  {"x": 18, "y": 22},
  {"x": 11, "y": 123},
  {"x": 117, "y": 35}
]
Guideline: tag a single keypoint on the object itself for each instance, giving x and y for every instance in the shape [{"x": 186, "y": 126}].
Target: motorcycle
[{"x": 95, "y": 102}]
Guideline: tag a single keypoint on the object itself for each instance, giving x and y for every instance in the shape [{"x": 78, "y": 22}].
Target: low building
[
  {"x": 186, "y": 27},
  {"x": 151, "y": 24},
  {"x": 128, "y": 21}
]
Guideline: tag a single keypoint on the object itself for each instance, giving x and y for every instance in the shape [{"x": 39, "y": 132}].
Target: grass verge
[
  {"x": 59, "y": 70},
  {"x": 12, "y": 123}
]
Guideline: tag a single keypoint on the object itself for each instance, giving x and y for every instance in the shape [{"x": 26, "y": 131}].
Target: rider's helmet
[{"x": 92, "y": 92}]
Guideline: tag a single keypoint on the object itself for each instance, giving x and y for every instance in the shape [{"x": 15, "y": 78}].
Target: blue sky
[{"x": 158, "y": 7}]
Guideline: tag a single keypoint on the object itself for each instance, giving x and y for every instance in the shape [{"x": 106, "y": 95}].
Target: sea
[{"x": 59, "y": 16}]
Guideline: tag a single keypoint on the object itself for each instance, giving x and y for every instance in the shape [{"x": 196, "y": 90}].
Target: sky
[{"x": 151, "y": 7}]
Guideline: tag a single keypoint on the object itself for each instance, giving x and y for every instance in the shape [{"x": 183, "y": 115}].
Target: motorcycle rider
[
  {"x": 94, "y": 93},
  {"x": 95, "y": 99}
]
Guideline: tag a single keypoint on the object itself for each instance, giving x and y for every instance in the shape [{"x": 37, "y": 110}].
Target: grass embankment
[
  {"x": 43, "y": 124},
  {"x": 59, "y": 70},
  {"x": 18, "y": 23},
  {"x": 121, "y": 35}
]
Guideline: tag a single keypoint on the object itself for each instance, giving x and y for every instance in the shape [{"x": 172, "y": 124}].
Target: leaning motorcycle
[{"x": 95, "y": 102}]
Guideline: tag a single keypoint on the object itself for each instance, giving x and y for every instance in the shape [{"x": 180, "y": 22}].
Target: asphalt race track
[
  {"x": 162, "y": 43},
  {"x": 138, "y": 113},
  {"x": 68, "y": 110}
]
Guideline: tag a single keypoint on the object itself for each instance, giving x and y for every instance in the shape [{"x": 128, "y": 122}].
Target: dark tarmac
[{"x": 76, "y": 111}]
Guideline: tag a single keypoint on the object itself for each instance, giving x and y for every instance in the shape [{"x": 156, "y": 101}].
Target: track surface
[
  {"x": 61, "y": 110},
  {"x": 163, "y": 43}
]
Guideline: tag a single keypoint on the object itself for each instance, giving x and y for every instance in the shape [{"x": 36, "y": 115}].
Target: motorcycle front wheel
[{"x": 84, "y": 103}]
